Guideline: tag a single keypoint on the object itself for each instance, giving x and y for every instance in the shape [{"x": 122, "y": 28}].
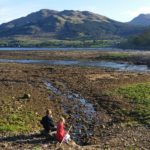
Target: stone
[
  {"x": 26, "y": 96},
  {"x": 4, "y": 145}
]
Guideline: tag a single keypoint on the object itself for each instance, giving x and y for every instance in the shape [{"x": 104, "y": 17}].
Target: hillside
[
  {"x": 67, "y": 24},
  {"x": 142, "y": 20}
]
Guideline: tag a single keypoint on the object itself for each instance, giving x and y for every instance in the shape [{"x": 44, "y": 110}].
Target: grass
[
  {"x": 112, "y": 56},
  {"x": 138, "y": 93},
  {"x": 19, "y": 122},
  {"x": 46, "y": 42},
  {"x": 139, "y": 96},
  {"x": 118, "y": 55},
  {"x": 37, "y": 148}
]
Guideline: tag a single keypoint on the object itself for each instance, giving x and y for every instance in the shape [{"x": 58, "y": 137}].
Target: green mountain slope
[{"x": 67, "y": 24}]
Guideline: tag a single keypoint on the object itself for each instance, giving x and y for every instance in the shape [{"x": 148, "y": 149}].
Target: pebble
[
  {"x": 4, "y": 145},
  {"x": 103, "y": 126},
  {"x": 28, "y": 96},
  {"x": 45, "y": 146},
  {"x": 134, "y": 139}
]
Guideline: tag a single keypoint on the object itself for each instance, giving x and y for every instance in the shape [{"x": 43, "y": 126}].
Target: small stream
[
  {"x": 121, "y": 66},
  {"x": 81, "y": 112}
]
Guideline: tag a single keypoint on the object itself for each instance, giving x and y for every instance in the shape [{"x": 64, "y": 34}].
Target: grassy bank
[
  {"x": 46, "y": 42},
  {"x": 17, "y": 122},
  {"x": 138, "y": 95},
  {"x": 114, "y": 56}
]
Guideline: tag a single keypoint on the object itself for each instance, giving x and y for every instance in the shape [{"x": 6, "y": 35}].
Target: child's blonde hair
[
  {"x": 62, "y": 119},
  {"x": 48, "y": 112}
]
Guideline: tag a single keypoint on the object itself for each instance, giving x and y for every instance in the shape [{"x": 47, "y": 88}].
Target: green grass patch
[
  {"x": 37, "y": 148},
  {"x": 19, "y": 122},
  {"x": 118, "y": 55},
  {"x": 139, "y": 96},
  {"x": 114, "y": 56},
  {"x": 138, "y": 93},
  {"x": 26, "y": 41}
]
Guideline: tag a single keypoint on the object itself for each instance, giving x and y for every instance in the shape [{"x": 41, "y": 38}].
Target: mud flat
[
  {"x": 105, "y": 118},
  {"x": 113, "y": 127},
  {"x": 136, "y": 57},
  {"x": 133, "y": 57}
]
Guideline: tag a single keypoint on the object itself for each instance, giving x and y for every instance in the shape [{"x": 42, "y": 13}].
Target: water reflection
[{"x": 123, "y": 66}]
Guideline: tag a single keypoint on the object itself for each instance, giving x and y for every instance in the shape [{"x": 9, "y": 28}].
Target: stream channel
[
  {"x": 81, "y": 113},
  {"x": 121, "y": 66}
]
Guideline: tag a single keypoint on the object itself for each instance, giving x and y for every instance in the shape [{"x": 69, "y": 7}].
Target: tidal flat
[{"x": 102, "y": 105}]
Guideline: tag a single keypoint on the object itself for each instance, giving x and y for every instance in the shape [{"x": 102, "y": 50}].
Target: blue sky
[{"x": 120, "y": 10}]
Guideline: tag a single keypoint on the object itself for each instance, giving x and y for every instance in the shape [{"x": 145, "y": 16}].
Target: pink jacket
[{"x": 60, "y": 131}]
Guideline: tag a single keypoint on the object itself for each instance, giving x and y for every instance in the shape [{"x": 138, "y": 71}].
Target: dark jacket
[{"x": 47, "y": 123}]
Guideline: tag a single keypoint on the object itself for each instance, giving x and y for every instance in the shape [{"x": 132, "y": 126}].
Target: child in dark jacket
[{"x": 47, "y": 122}]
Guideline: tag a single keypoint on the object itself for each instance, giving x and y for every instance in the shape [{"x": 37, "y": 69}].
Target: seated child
[
  {"x": 47, "y": 122},
  {"x": 61, "y": 134}
]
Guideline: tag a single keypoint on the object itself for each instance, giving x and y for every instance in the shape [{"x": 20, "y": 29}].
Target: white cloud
[{"x": 136, "y": 12}]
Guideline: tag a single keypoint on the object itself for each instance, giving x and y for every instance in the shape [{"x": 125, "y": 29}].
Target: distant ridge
[
  {"x": 67, "y": 24},
  {"x": 142, "y": 20}
]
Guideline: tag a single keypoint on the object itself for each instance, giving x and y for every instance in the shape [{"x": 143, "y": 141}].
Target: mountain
[
  {"x": 142, "y": 20},
  {"x": 67, "y": 24}
]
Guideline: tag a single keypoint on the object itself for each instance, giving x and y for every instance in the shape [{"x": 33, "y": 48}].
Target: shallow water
[
  {"x": 87, "y": 107},
  {"x": 79, "y": 109},
  {"x": 57, "y": 49},
  {"x": 123, "y": 66}
]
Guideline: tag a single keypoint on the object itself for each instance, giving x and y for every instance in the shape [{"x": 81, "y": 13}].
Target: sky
[{"x": 120, "y": 10}]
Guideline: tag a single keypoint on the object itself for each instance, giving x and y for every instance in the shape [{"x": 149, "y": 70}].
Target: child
[
  {"x": 61, "y": 134},
  {"x": 47, "y": 122}
]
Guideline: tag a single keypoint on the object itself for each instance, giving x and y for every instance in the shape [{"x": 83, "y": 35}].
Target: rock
[
  {"x": 134, "y": 139},
  {"x": 37, "y": 113},
  {"x": 122, "y": 125},
  {"x": 45, "y": 146},
  {"x": 13, "y": 97},
  {"x": 26, "y": 96},
  {"x": 4, "y": 145},
  {"x": 103, "y": 126}
]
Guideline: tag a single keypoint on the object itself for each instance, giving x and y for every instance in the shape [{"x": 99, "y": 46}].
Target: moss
[
  {"x": 19, "y": 122},
  {"x": 138, "y": 93},
  {"x": 114, "y": 56},
  {"x": 139, "y": 96},
  {"x": 37, "y": 148},
  {"x": 12, "y": 128}
]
